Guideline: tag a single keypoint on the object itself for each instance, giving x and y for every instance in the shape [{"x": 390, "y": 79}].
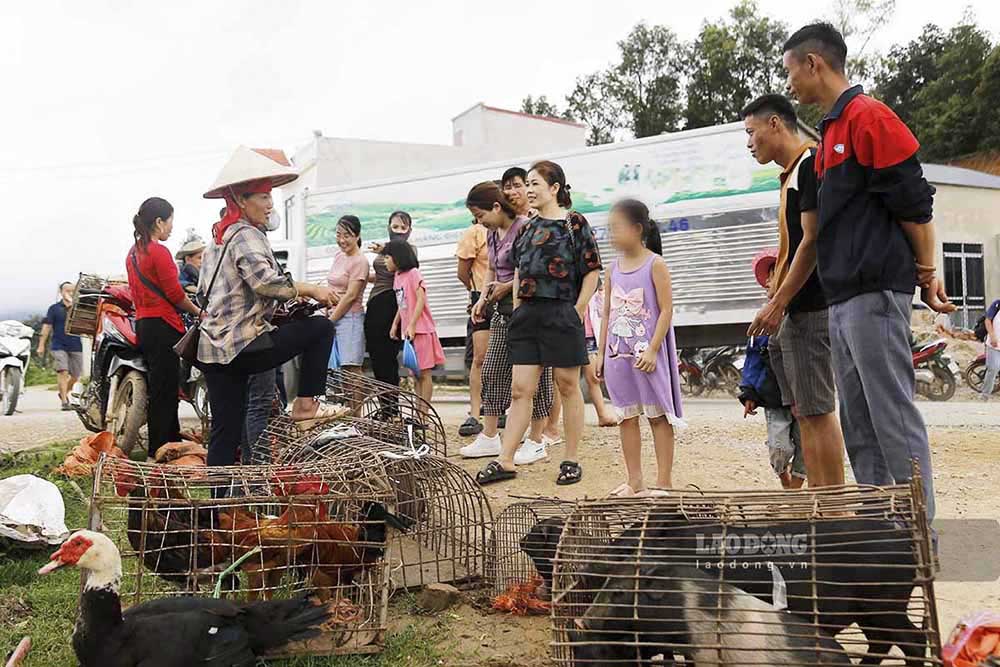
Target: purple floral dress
[{"x": 632, "y": 322}]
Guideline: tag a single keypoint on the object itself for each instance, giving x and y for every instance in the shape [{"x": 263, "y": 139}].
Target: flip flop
[
  {"x": 570, "y": 472},
  {"x": 494, "y": 472},
  {"x": 324, "y": 413}
]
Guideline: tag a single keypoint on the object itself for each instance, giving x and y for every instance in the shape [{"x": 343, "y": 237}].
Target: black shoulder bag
[{"x": 187, "y": 347}]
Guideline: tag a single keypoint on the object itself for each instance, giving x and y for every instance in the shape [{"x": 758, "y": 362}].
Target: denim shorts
[{"x": 349, "y": 337}]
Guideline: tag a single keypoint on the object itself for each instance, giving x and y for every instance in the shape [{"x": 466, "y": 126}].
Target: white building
[{"x": 479, "y": 134}]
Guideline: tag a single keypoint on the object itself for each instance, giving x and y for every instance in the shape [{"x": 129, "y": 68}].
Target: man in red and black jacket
[{"x": 875, "y": 246}]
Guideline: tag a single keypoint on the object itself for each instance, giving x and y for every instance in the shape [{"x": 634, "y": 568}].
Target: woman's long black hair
[
  {"x": 638, "y": 214},
  {"x": 153, "y": 209}
]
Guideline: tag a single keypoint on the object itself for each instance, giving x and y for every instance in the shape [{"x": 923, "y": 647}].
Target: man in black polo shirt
[
  {"x": 875, "y": 246},
  {"x": 796, "y": 315}
]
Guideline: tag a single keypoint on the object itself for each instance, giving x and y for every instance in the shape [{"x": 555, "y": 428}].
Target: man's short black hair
[
  {"x": 511, "y": 174},
  {"x": 403, "y": 255},
  {"x": 63, "y": 284},
  {"x": 772, "y": 105},
  {"x": 821, "y": 38}
]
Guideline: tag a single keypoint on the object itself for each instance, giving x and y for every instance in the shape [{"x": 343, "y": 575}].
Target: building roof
[
  {"x": 551, "y": 119},
  {"x": 944, "y": 174}
]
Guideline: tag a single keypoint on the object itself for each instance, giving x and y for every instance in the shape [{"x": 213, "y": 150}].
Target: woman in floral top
[{"x": 557, "y": 265}]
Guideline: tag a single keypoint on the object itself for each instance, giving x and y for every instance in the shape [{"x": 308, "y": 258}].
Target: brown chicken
[{"x": 283, "y": 540}]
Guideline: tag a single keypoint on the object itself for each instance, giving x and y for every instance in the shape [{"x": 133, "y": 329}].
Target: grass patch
[
  {"x": 45, "y": 607},
  {"x": 38, "y": 374}
]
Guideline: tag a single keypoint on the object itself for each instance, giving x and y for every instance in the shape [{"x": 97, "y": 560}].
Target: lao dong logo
[{"x": 764, "y": 544}]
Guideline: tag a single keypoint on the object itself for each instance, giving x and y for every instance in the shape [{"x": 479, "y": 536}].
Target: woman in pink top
[
  {"x": 413, "y": 319},
  {"x": 348, "y": 277}
]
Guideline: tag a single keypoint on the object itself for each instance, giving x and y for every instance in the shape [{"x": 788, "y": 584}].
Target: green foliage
[
  {"x": 542, "y": 107},
  {"x": 944, "y": 86},
  {"x": 593, "y": 103},
  {"x": 732, "y": 62},
  {"x": 647, "y": 80},
  {"x": 39, "y": 374}
]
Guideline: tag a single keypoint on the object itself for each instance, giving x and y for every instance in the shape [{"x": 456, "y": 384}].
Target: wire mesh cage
[
  {"x": 257, "y": 532},
  {"x": 450, "y": 513},
  {"x": 522, "y": 546},
  {"x": 747, "y": 578}
]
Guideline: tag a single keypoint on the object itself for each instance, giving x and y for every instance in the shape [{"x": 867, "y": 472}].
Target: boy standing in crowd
[{"x": 875, "y": 245}]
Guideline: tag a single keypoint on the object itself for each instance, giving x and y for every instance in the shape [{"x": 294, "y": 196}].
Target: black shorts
[
  {"x": 487, "y": 316},
  {"x": 547, "y": 332}
]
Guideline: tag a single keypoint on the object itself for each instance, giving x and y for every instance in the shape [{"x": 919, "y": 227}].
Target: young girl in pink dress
[
  {"x": 637, "y": 355},
  {"x": 413, "y": 319}
]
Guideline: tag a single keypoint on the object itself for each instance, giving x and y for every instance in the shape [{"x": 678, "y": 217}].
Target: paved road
[{"x": 39, "y": 421}]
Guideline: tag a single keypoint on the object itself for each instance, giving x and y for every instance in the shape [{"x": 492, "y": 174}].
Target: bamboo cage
[
  {"x": 451, "y": 515},
  {"x": 415, "y": 423},
  {"x": 258, "y": 532},
  {"x": 523, "y": 544},
  {"x": 81, "y": 318},
  {"x": 383, "y": 403},
  {"x": 747, "y": 578}
]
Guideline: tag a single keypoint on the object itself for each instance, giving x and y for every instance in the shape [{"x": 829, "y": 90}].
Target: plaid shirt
[{"x": 246, "y": 292}]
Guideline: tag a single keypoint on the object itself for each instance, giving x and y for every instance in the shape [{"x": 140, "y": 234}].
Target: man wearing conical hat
[{"x": 243, "y": 286}]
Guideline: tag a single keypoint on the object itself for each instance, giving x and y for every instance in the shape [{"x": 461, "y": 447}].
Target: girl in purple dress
[{"x": 637, "y": 354}]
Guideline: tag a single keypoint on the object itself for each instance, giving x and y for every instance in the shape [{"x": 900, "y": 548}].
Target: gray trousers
[{"x": 883, "y": 429}]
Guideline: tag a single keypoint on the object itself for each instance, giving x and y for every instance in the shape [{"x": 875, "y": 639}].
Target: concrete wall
[
  {"x": 970, "y": 215},
  {"x": 495, "y": 134}
]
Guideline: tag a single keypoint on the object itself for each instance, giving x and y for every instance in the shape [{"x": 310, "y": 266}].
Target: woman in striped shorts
[{"x": 491, "y": 209}]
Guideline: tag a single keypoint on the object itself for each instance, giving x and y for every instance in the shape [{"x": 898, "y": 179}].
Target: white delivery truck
[{"x": 716, "y": 207}]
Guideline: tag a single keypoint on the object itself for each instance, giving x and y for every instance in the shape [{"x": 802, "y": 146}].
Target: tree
[
  {"x": 858, "y": 20},
  {"x": 987, "y": 100},
  {"x": 906, "y": 69},
  {"x": 933, "y": 83},
  {"x": 542, "y": 107},
  {"x": 732, "y": 62},
  {"x": 592, "y": 103},
  {"x": 646, "y": 83}
]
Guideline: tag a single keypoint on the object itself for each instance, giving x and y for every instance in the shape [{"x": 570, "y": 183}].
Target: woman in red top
[{"x": 158, "y": 298}]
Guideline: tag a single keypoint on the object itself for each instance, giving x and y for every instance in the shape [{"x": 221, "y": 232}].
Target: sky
[{"x": 108, "y": 102}]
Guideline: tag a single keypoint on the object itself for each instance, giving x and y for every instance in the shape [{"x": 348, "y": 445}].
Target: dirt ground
[{"x": 719, "y": 450}]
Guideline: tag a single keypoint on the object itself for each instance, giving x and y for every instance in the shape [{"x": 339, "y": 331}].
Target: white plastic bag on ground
[{"x": 32, "y": 510}]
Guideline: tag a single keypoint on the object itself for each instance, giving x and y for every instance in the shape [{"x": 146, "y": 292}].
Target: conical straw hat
[{"x": 253, "y": 164}]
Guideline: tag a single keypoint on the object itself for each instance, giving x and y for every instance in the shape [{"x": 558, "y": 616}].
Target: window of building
[{"x": 965, "y": 281}]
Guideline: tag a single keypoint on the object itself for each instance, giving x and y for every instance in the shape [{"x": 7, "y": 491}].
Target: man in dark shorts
[
  {"x": 473, "y": 264},
  {"x": 67, "y": 351},
  {"x": 875, "y": 246},
  {"x": 795, "y": 315}
]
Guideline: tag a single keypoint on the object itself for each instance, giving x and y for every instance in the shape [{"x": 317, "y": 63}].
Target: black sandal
[
  {"x": 570, "y": 472},
  {"x": 492, "y": 473}
]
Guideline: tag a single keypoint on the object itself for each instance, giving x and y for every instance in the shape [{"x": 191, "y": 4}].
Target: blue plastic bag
[
  {"x": 334, "y": 362},
  {"x": 410, "y": 356}
]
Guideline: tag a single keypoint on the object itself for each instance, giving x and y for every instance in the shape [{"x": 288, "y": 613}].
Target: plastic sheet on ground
[{"x": 32, "y": 510}]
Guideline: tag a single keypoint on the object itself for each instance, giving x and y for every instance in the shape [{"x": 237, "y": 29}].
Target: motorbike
[
  {"x": 975, "y": 375},
  {"x": 709, "y": 369},
  {"x": 15, "y": 353},
  {"x": 115, "y": 399},
  {"x": 690, "y": 371},
  {"x": 934, "y": 370}
]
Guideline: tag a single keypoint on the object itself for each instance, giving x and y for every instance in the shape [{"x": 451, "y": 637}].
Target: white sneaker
[
  {"x": 529, "y": 452},
  {"x": 481, "y": 447}
]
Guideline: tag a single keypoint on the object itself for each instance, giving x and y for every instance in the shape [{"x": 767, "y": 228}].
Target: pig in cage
[
  {"x": 450, "y": 513},
  {"x": 746, "y": 578},
  {"x": 522, "y": 546},
  {"x": 257, "y": 532}
]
